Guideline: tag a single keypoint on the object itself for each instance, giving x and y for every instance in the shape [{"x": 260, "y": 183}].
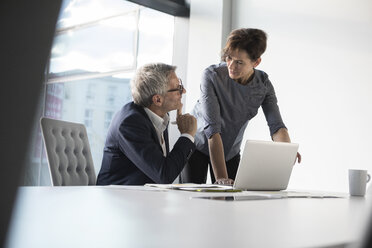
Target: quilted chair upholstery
[{"x": 68, "y": 152}]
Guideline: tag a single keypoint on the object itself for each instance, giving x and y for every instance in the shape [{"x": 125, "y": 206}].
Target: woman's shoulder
[
  {"x": 216, "y": 68},
  {"x": 216, "y": 71},
  {"x": 261, "y": 75}
]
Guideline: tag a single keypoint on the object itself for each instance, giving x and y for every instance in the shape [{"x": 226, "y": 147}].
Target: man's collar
[{"x": 159, "y": 123}]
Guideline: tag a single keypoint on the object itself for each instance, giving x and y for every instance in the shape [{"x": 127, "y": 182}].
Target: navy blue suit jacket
[{"x": 133, "y": 155}]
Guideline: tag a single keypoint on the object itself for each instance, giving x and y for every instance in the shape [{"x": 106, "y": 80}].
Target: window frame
[{"x": 127, "y": 69}]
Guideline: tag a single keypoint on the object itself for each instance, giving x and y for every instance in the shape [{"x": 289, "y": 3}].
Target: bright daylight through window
[{"x": 97, "y": 47}]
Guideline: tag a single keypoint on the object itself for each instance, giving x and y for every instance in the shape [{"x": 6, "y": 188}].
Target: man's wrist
[{"x": 189, "y": 136}]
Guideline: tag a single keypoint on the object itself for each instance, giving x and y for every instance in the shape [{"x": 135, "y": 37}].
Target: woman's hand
[
  {"x": 224, "y": 181},
  {"x": 298, "y": 157}
]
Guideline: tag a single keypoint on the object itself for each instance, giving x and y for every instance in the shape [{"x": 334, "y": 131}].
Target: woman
[{"x": 231, "y": 94}]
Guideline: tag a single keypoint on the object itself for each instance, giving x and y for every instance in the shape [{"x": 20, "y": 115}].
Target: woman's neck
[{"x": 246, "y": 80}]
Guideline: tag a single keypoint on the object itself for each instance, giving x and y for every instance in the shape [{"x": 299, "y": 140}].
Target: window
[
  {"x": 111, "y": 90},
  {"x": 108, "y": 118},
  {"x": 90, "y": 93},
  {"x": 88, "y": 118},
  {"x": 97, "y": 47}
]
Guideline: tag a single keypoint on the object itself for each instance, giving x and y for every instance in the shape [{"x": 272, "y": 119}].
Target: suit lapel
[
  {"x": 166, "y": 140},
  {"x": 153, "y": 133}
]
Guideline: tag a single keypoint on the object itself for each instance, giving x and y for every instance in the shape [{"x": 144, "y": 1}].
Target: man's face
[{"x": 172, "y": 98}]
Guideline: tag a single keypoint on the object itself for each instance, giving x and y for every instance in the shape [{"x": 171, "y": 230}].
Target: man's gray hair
[{"x": 151, "y": 79}]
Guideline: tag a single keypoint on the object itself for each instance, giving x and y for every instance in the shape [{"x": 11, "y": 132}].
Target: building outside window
[
  {"x": 88, "y": 118},
  {"x": 108, "y": 118},
  {"x": 90, "y": 92},
  {"x": 97, "y": 47},
  {"x": 111, "y": 95}
]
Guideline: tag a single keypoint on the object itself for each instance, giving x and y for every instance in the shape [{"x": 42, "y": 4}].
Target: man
[{"x": 137, "y": 147}]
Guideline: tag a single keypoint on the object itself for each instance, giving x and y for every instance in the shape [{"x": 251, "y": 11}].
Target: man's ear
[
  {"x": 157, "y": 100},
  {"x": 257, "y": 62}
]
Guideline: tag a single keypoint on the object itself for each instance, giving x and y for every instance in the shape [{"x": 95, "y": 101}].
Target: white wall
[
  {"x": 181, "y": 37},
  {"x": 319, "y": 59},
  {"x": 209, "y": 21}
]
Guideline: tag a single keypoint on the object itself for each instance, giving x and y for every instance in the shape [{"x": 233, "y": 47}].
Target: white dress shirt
[{"x": 160, "y": 125}]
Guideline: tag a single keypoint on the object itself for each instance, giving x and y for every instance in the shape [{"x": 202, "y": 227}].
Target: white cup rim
[{"x": 357, "y": 170}]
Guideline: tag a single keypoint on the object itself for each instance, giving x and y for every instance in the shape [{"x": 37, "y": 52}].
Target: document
[
  {"x": 266, "y": 195},
  {"x": 196, "y": 187},
  {"x": 239, "y": 197},
  {"x": 307, "y": 194}
]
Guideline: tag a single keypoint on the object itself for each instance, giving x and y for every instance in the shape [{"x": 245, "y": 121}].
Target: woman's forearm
[{"x": 217, "y": 156}]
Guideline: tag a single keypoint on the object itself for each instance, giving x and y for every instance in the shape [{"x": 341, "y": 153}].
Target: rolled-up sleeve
[
  {"x": 271, "y": 109},
  {"x": 210, "y": 107}
]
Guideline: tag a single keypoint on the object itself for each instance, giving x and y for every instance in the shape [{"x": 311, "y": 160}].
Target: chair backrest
[{"x": 68, "y": 152}]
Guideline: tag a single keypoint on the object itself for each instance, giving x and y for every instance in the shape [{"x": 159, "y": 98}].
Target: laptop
[{"x": 266, "y": 165}]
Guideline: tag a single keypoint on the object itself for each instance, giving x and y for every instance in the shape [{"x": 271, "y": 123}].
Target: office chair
[{"x": 68, "y": 152}]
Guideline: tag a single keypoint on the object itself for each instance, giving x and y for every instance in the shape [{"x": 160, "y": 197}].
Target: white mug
[{"x": 358, "y": 181}]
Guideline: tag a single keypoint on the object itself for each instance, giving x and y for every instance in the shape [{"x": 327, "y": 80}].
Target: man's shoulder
[
  {"x": 129, "y": 112},
  {"x": 130, "y": 107},
  {"x": 132, "y": 111}
]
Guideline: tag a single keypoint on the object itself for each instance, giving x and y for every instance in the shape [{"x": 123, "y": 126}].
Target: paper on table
[
  {"x": 195, "y": 187},
  {"x": 219, "y": 189},
  {"x": 239, "y": 197},
  {"x": 299, "y": 194},
  {"x": 266, "y": 195},
  {"x": 133, "y": 187},
  {"x": 303, "y": 194}
]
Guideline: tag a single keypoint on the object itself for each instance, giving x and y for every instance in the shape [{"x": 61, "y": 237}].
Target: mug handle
[{"x": 368, "y": 178}]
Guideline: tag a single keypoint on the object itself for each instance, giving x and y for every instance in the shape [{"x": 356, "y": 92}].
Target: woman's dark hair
[{"x": 250, "y": 40}]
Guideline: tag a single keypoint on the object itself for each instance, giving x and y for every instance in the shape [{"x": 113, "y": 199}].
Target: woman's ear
[{"x": 257, "y": 62}]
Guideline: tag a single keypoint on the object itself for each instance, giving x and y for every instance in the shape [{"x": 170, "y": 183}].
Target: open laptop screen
[{"x": 266, "y": 165}]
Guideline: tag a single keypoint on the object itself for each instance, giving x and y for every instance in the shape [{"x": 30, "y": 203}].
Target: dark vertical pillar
[{"x": 26, "y": 35}]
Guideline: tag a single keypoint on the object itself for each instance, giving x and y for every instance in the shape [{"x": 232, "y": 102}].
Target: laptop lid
[{"x": 266, "y": 165}]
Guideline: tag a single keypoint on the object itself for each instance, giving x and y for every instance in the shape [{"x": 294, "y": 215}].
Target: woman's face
[{"x": 240, "y": 66}]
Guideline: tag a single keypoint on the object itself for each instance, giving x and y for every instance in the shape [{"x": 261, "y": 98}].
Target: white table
[{"x": 134, "y": 217}]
